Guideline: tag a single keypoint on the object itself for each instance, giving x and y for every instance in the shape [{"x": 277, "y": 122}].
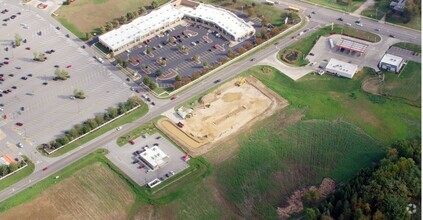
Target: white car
[
  {"x": 348, "y": 24},
  {"x": 99, "y": 59},
  {"x": 360, "y": 24},
  {"x": 20, "y": 145}
]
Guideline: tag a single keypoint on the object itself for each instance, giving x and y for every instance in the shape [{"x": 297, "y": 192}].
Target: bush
[
  {"x": 92, "y": 123},
  {"x": 86, "y": 128},
  {"x": 99, "y": 119}
]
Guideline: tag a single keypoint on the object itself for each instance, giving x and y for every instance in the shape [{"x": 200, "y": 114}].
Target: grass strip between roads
[
  {"x": 168, "y": 191},
  {"x": 132, "y": 116},
  {"x": 18, "y": 176},
  {"x": 307, "y": 43}
]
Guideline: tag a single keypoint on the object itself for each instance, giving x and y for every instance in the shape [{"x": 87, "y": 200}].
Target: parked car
[
  {"x": 217, "y": 81},
  {"x": 132, "y": 142},
  {"x": 68, "y": 66},
  {"x": 179, "y": 124},
  {"x": 19, "y": 124},
  {"x": 173, "y": 97},
  {"x": 45, "y": 168},
  {"x": 20, "y": 145}
]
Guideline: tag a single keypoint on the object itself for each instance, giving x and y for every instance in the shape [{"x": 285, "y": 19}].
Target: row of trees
[
  {"x": 6, "y": 169},
  {"x": 124, "y": 19},
  {"x": 381, "y": 192},
  {"x": 92, "y": 123},
  {"x": 148, "y": 82}
]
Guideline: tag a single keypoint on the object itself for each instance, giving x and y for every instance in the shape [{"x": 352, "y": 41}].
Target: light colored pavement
[
  {"x": 294, "y": 73},
  {"x": 406, "y": 54},
  {"x": 123, "y": 157},
  {"x": 323, "y": 17},
  {"x": 365, "y": 5}
]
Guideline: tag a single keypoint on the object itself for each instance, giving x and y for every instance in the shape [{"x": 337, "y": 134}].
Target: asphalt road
[{"x": 322, "y": 17}]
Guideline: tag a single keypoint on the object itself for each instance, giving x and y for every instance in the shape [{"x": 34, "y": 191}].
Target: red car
[
  {"x": 132, "y": 142},
  {"x": 180, "y": 124},
  {"x": 45, "y": 168},
  {"x": 173, "y": 97},
  {"x": 68, "y": 66},
  {"x": 28, "y": 48},
  {"x": 6, "y": 62},
  {"x": 141, "y": 166},
  {"x": 18, "y": 124}
]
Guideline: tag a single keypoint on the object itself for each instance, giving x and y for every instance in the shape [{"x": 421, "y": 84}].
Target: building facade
[{"x": 391, "y": 63}]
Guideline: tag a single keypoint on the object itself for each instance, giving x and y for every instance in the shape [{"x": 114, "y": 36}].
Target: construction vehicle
[{"x": 240, "y": 82}]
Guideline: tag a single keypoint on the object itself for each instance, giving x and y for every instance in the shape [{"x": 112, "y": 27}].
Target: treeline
[
  {"x": 389, "y": 190},
  {"x": 6, "y": 169},
  {"x": 92, "y": 123}
]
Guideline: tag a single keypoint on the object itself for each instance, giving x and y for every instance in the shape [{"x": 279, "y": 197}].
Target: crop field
[
  {"x": 330, "y": 98},
  {"x": 272, "y": 162},
  {"x": 75, "y": 16},
  {"x": 407, "y": 85},
  {"x": 94, "y": 192}
]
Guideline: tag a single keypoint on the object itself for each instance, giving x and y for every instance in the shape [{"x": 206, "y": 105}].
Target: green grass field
[
  {"x": 409, "y": 46},
  {"x": 17, "y": 176},
  {"x": 336, "y": 5},
  {"x": 376, "y": 11},
  {"x": 85, "y": 16},
  {"x": 406, "y": 85},
  {"x": 329, "y": 98},
  {"x": 272, "y": 162},
  {"x": 306, "y": 44},
  {"x": 134, "y": 115}
]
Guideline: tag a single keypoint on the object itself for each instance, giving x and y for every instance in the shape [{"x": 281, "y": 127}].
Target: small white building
[
  {"x": 391, "y": 63},
  {"x": 153, "y": 157},
  {"x": 341, "y": 68}
]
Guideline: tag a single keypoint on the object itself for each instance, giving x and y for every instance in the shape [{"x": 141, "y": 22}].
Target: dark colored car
[
  {"x": 45, "y": 168},
  {"x": 24, "y": 77},
  {"x": 217, "y": 81},
  {"x": 19, "y": 124}
]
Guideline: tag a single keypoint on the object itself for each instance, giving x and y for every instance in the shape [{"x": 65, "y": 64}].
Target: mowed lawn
[
  {"x": 94, "y": 192},
  {"x": 338, "y": 5},
  {"x": 84, "y": 16},
  {"x": 407, "y": 85}
]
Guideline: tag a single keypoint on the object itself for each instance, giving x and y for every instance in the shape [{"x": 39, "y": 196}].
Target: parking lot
[
  {"x": 175, "y": 59},
  {"x": 125, "y": 159},
  {"x": 37, "y": 109}
]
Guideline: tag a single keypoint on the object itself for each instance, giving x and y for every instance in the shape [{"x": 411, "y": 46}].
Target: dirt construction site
[{"x": 229, "y": 109}]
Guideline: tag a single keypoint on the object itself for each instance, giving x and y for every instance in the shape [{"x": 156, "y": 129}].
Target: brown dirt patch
[
  {"x": 94, "y": 192},
  {"x": 372, "y": 85},
  {"x": 294, "y": 202},
  {"x": 232, "y": 109}
]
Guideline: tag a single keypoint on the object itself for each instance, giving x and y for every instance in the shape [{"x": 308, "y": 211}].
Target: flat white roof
[
  {"x": 341, "y": 67},
  {"x": 154, "y": 156},
  {"x": 141, "y": 26},
  {"x": 352, "y": 45},
  {"x": 391, "y": 59}
]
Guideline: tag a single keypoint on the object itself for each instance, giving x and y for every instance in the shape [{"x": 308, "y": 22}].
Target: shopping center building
[{"x": 172, "y": 14}]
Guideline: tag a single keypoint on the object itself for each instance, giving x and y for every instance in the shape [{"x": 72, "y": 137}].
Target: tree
[
  {"x": 311, "y": 197},
  {"x": 249, "y": 46},
  {"x": 146, "y": 80},
  {"x": 125, "y": 64},
  {"x": 102, "y": 30},
  {"x": 41, "y": 57},
  {"x": 152, "y": 85},
  {"x": 148, "y": 51},
  {"x": 119, "y": 61},
  {"x": 109, "y": 26},
  {"x": 73, "y": 133},
  {"x": 231, "y": 53},
  {"x": 122, "y": 108},
  {"x": 206, "y": 64},
  {"x": 258, "y": 40},
  {"x": 159, "y": 72},
  {"x": 178, "y": 78},
  {"x": 177, "y": 85},
  {"x": 79, "y": 94},
  {"x": 141, "y": 10},
  {"x": 135, "y": 14},
  {"x": 88, "y": 36},
  {"x": 185, "y": 80},
  {"x": 171, "y": 40},
  {"x": 86, "y": 128},
  {"x": 61, "y": 74},
  {"x": 123, "y": 20},
  {"x": 92, "y": 123},
  {"x": 234, "y": 1},
  {"x": 18, "y": 40},
  {"x": 116, "y": 23},
  {"x": 4, "y": 170},
  {"x": 129, "y": 15},
  {"x": 112, "y": 112},
  {"x": 240, "y": 50},
  {"x": 78, "y": 128},
  {"x": 265, "y": 20},
  {"x": 275, "y": 31},
  {"x": 195, "y": 76},
  {"x": 154, "y": 4},
  {"x": 13, "y": 167},
  {"x": 253, "y": 4}
]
